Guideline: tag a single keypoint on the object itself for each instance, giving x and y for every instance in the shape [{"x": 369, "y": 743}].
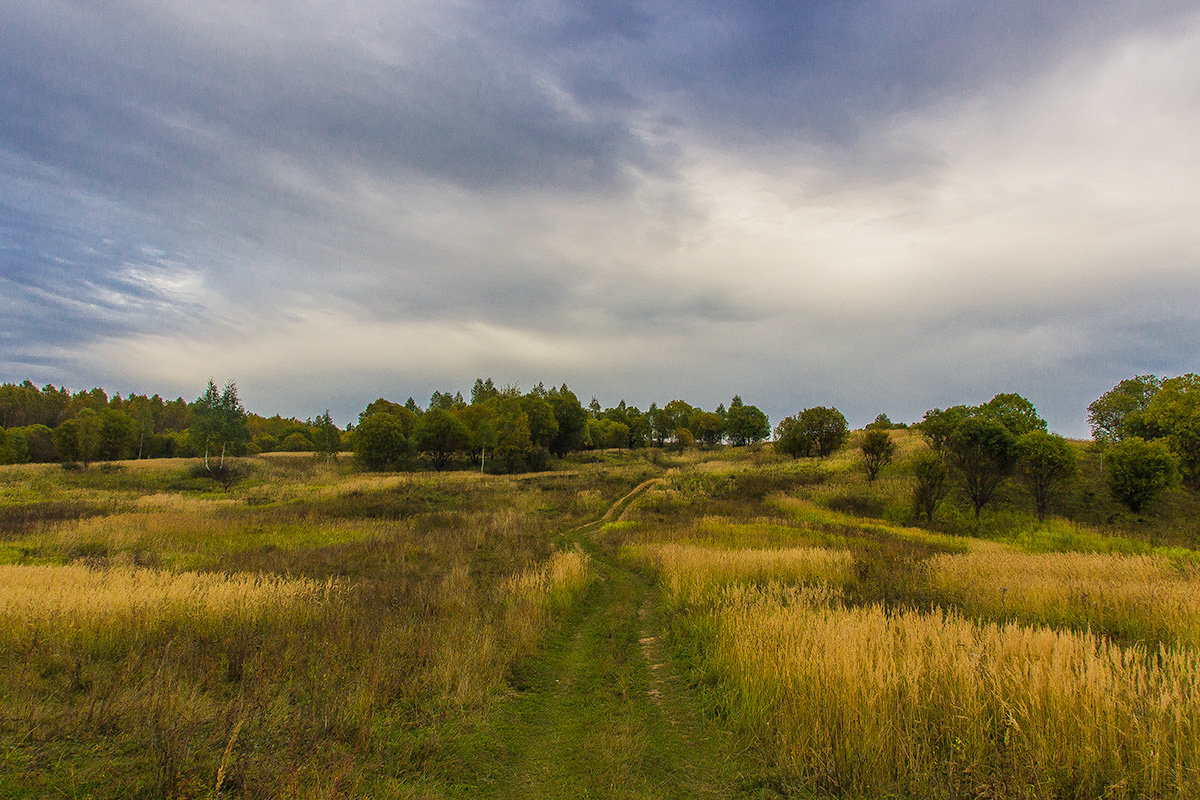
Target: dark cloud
[{"x": 751, "y": 194}]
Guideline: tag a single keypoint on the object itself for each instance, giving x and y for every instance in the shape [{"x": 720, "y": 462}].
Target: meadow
[{"x": 632, "y": 624}]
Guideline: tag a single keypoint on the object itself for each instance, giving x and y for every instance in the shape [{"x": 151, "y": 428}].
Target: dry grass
[
  {"x": 1144, "y": 597},
  {"x": 867, "y": 704},
  {"x": 694, "y": 575},
  {"x": 108, "y": 608}
]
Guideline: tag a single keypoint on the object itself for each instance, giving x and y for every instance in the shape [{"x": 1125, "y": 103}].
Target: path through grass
[{"x": 603, "y": 711}]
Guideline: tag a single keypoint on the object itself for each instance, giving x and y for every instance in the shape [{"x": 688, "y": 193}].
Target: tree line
[
  {"x": 505, "y": 429},
  {"x": 52, "y": 424},
  {"x": 1147, "y": 429}
]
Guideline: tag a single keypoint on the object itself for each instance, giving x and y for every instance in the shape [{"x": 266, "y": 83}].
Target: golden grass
[
  {"x": 1134, "y": 596},
  {"x": 866, "y": 704},
  {"x": 694, "y": 575},
  {"x": 531, "y": 598},
  {"x": 92, "y": 607}
]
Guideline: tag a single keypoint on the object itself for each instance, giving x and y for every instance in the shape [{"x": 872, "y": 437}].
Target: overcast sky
[{"x": 882, "y": 206}]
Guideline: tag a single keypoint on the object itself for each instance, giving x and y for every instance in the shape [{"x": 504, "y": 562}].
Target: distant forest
[
  {"x": 1146, "y": 428},
  {"x": 516, "y": 430}
]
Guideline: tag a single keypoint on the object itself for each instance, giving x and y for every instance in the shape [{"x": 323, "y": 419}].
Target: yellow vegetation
[
  {"x": 692, "y": 575},
  {"x": 92, "y": 607},
  {"x": 1136, "y": 596},
  {"x": 867, "y": 703}
]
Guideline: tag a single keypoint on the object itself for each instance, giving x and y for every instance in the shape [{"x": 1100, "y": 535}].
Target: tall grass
[
  {"x": 107, "y": 608},
  {"x": 693, "y": 576},
  {"x": 1144, "y": 597},
  {"x": 865, "y": 703}
]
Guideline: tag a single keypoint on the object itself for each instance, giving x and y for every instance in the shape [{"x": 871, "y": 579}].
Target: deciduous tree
[
  {"x": 878, "y": 450},
  {"x": 1139, "y": 471},
  {"x": 1045, "y": 462}
]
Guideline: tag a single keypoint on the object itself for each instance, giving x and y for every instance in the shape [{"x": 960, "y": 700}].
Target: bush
[{"x": 1138, "y": 472}]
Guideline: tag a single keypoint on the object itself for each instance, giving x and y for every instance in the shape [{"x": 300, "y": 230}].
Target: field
[{"x": 721, "y": 623}]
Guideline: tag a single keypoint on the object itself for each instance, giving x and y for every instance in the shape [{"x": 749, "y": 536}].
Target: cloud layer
[{"x": 882, "y": 206}]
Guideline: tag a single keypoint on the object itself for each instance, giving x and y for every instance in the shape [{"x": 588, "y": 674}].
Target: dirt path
[{"x": 604, "y": 710}]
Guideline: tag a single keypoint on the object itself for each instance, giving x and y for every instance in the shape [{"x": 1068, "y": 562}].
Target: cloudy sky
[{"x": 883, "y": 206}]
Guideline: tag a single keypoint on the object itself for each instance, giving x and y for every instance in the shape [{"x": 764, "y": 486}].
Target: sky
[{"x": 879, "y": 206}]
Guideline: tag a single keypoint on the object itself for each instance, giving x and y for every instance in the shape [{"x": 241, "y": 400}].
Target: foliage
[
  {"x": 1115, "y": 414},
  {"x": 815, "y": 431},
  {"x": 78, "y": 439},
  {"x": 707, "y": 426},
  {"x": 379, "y": 442},
  {"x": 1045, "y": 462},
  {"x": 1138, "y": 472},
  {"x": 983, "y": 453},
  {"x": 440, "y": 435},
  {"x": 745, "y": 424},
  {"x": 1175, "y": 412},
  {"x": 1014, "y": 412},
  {"x": 878, "y": 450},
  {"x": 929, "y": 486},
  {"x": 572, "y": 421},
  {"x": 327, "y": 439},
  {"x": 219, "y": 421}
]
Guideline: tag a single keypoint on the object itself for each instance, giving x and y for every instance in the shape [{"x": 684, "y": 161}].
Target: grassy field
[{"x": 701, "y": 624}]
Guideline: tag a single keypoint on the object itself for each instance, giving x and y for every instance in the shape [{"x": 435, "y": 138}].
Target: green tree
[
  {"x": 1139, "y": 471},
  {"x": 219, "y": 421},
  {"x": 1013, "y": 412},
  {"x": 440, "y": 435},
  {"x": 881, "y": 423},
  {"x": 78, "y": 438},
  {"x": 878, "y": 450},
  {"x": 1174, "y": 412},
  {"x": 513, "y": 444},
  {"x": 825, "y": 427},
  {"x": 983, "y": 453},
  {"x": 929, "y": 486},
  {"x": 1044, "y": 461},
  {"x": 938, "y": 425},
  {"x": 745, "y": 424},
  {"x": 327, "y": 439},
  {"x": 118, "y": 435},
  {"x": 572, "y": 420},
  {"x": 707, "y": 427},
  {"x": 1114, "y": 415},
  {"x": 543, "y": 425},
  {"x": 791, "y": 438},
  {"x": 379, "y": 442}
]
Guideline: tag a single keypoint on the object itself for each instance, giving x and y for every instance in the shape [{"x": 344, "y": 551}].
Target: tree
[
  {"x": 878, "y": 450},
  {"x": 1139, "y": 471},
  {"x": 440, "y": 435},
  {"x": 825, "y": 427},
  {"x": 1044, "y": 461},
  {"x": 572, "y": 420},
  {"x": 1013, "y": 412},
  {"x": 707, "y": 427},
  {"x": 1113, "y": 413},
  {"x": 791, "y": 439},
  {"x": 938, "y": 424},
  {"x": 78, "y": 438},
  {"x": 1174, "y": 412},
  {"x": 379, "y": 442},
  {"x": 983, "y": 453},
  {"x": 745, "y": 424},
  {"x": 881, "y": 423},
  {"x": 218, "y": 421},
  {"x": 929, "y": 487},
  {"x": 512, "y": 436},
  {"x": 118, "y": 434},
  {"x": 543, "y": 425},
  {"x": 327, "y": 439}
]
